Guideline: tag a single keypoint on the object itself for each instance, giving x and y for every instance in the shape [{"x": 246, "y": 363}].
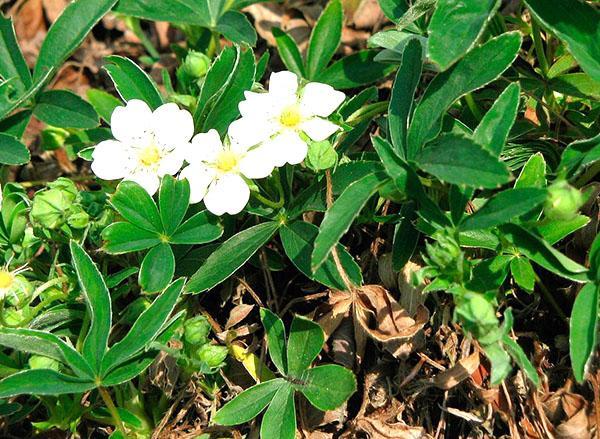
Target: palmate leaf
[
  {"x": 173, "y": 201},
  {"x": 122, "y": 237},
  {"x": 304, "y": 344},
  {"x": 135, "y": 205},
  {"x": 157, "y": 269},
  {"x": 98, "y": 303}
]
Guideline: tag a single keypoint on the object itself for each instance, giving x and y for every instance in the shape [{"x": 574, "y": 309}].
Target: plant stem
[
  {"x": 548, "y": 296},
  {"x": 110, "y": 405},
  {"x": 473, "y": 106}
]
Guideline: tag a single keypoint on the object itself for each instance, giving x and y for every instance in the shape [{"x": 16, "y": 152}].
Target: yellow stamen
[
  {"x": 290, "y": 116},
  {"x": 226, "y": 161},
  {"x": 150, "y": 155},
  {"x": 6, "y": 279}
]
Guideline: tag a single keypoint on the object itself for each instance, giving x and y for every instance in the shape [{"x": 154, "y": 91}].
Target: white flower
[
  {"x": 11, "y": 281},
  {"x": 280, "y": 117},
  {"x": 216, "y": 172},
  {"x": 147, "y": 145}
]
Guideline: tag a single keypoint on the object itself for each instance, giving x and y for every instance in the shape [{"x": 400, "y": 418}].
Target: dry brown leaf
[
  {"x": 267, "y": 16},
  {"x": 456, "y": 374},
  {"x": 368, "y": 15},
  {"x": 238, "y": 314},
  {"x": 576, "y": 427},
  {"x": 54, "y": 8},
  {"x": 379, "y": 429},
  {"x": 30, "y": 28}
]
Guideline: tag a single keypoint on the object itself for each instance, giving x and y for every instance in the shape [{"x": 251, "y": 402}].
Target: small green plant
[{"x": 326, "y": 386}]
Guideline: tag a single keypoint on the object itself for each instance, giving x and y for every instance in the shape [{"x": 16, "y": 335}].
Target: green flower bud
[
  {"x": 212, "y": 355},
  {"x": 20, "y": 292},
  {"x": 321, "y": 156},
  {"x": 196, "y": 330},
  {"x": 39, "y": 362},
  {"x": 53, "y": 138},
  {"x": 78, "y": 219},
  {"x": 563, "y": 201},
  {"x": 51, "y": 207},
  {"x": 196, "y": 64}
]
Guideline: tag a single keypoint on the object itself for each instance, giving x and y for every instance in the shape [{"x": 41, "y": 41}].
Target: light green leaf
[
  {"x": 327, "y": 387},
  {"x": 459, "y": 160},
  {"x": 104, "y": 103},
  {"x": 583, "y": 330},
  {"x": 135, "y": 205},
  {"x": 279, "y": 421},
  {"x": 12, "y": 151},
  {"x": 175, "y": 11},
  {"x": 555, "y": 230},
  {"x": 298, "y": 238},
  {"x": 516, "y": 352},
  {"x": 304, "y": 344},
  {"x": 579, "y": 84},
  {"x": 455, "y": 27},
  {"x": 145, "y": 329},
  {"x": 157, "y": 268},
  {"x": 173, "y": 200},
  {"x": 494, "y": 128},
  {"x": 505, "y": 207},
  {"x": 68, "y": 32},
  {"x": 132, "y": 82},
  {"x": 289, "y": 52},
  {"x": 42, "y": 382},
  {"x": 248, "y": 404},
  {"x": 64, "y": 109},
  {"x": 523, "y": 273},
  {"x": 275, "y": 339},
  {"x": 201, "y": 228},
  {"x": 479, "y": 67},
  {"x": 576, "y": 23},
  {"x": 230, "y": 256},
  {"x": 324, "y": 39},
  {"x": 122, "y": 237},
  {"x": 339, "y": 217},
  {"x": 98, "y": 303}
]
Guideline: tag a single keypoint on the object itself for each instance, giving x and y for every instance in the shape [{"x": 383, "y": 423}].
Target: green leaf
[
  {"x": 298, "y": 238},
  {"x": 489, "y": 274},
  {"x": 457, "y": 159},
  {"x": 533, "y": 173},
  {"x": 579, "y": 155},
  {"x": 327, "y": 387},
  {"x": 494, "y": 128},
  {"x": 174, "y": 11},
  {"x": 16, "y": 124},
  {"x": 555, "y": 230},
  {"x": 12, "y": 151},
  {"x": 479, "y": 67},
  {"x": 501, "y": 365},
  {"x": 42, "y": 382},
  {"x": 236, "y": 28},
  {"x": 145, "y": 329},
  {"x": 230, "y": 256},
  {"x": 122, "y": 237},
  {"x": 12, "y": 63},
  {"x": 279, "y": 421},
  {"x": 543, "y": 254},
  {"x": 455, "y": 27},
  {"x": 393, "y": 9},
  {"x": 324, "y": 39},
  {"x": 158, "y": 268},
  {"x": 64, "y": 109},
  {"x": 583, "y": 330},
  {"x": 47, "y": 345},
  {"x": 576, "y": 23},
  {"x": 578, "y": 84},
  {"x": 275, "y": 339},
  {"x": 406, "y": 237},
  {"x": 516, "y": 352},
  {"x": 355, "y": 71},
  {"x": 289, "y": 52},
  {"x": 248, "y": 404},
  {"x": 523, "y": 273},
  {"x": 132, "y": 82},
  {"x": 98, "y": 304},
  {"x": 104, "y": 103},
  {"x": 201, "y": 228},
  {"x": 173, "y": 200},
  {"x": 341, "y": 214},
  {"x": 403, "y": 92},
  {"x": 68, "y": 32},
  {"x": 304, "y": 344},
  {"x": 135, "y": 205},
  {"x": 505, "y": 207}
]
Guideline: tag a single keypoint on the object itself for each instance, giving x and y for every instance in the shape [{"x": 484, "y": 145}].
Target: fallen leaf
[{"x": 456, "y": 374}]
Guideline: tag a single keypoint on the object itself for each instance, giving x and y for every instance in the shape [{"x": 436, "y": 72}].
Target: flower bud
[
  {"x": 196, "y": 64},
  {"x": 51, "y": 207},
  {"x": 563, "y": 201},
  {"x": 212, "y": 355},
  {"x": 196, "y": 330}
]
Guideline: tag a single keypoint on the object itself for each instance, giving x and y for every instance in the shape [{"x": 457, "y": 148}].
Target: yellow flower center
[
  {"x": 6, "y": 279},
  {"x": 226, "y": 161},
  {"x": 290, "y": 116},
  {"x": 150, "y": 155}
]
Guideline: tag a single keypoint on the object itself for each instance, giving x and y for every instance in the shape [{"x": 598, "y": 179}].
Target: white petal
[
  {"x": 199, "y": 177},
  {"x": 257, "y": 163},
  {"x": 318, "y": 129},
  {"x": 132, "y": 122},
  {"x": 320, "y": 99},
  {"x": 111, "y": 160},
  {"x": 283, "y": 84},
  {"x": 287, "y": 147},
  {"x": 204, "y": 147},
  {"x": 171, "y": 162},
  {"x": 259, "y": 105},
  {"x": 229, "y": 194},
  {"x": 146, "y": 179},
  {"x": 172, "y": 126},
  {"x": 249, "y": 131}
]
